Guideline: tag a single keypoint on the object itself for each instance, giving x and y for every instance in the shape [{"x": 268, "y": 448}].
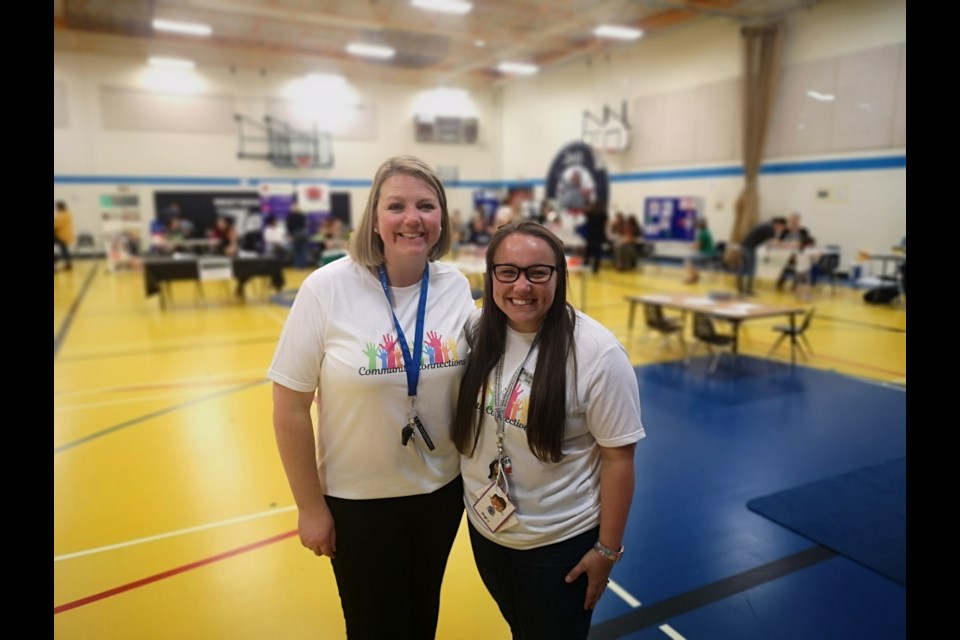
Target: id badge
[{"x": 494, "y": 507}]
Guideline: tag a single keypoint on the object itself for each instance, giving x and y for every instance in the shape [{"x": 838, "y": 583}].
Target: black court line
[
  {"x": 155, "y": 414},
  {"x": 72, "y": 312},
  {"x": 660, "y": 612},
  {"x": 192, "y": 348},
  {"x": 858, "y": 323}
]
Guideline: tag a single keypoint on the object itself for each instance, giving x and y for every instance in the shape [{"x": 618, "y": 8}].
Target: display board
[{"x": 671, "y": 218}]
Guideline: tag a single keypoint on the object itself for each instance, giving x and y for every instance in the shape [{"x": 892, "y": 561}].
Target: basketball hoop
[{"x": 302, "y": 161}]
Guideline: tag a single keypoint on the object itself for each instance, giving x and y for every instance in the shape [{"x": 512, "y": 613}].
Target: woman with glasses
[
  {"x": 376, "y": 340},
  {"x": 548, "y": 417}
]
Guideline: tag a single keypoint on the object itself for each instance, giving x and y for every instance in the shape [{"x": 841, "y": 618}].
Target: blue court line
[
  {"x": 729, "y": 171},
  {"x": 72, "y": 312},
  {"x": 660, "y": 612},
  {"x": 155, "y": 414}
]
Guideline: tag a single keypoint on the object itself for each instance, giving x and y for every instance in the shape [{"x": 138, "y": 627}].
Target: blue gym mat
[{"x": 861, "y": 515}]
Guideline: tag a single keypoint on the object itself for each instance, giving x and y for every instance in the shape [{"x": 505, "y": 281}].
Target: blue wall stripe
[{"x": 850, "y": 164}]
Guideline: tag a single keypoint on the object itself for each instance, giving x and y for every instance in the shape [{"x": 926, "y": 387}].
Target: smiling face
[
  {"x": 524, "y": 303},
  {"x": 408, "y": 219}
]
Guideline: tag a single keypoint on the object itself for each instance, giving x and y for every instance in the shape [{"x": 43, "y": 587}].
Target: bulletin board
[{"x": 671, "y": 218}]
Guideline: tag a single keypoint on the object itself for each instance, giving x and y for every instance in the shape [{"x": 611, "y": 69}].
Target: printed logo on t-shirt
[{"x": 386, "y": 356}]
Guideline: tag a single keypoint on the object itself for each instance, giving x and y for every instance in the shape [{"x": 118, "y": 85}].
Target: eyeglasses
[{"x": 535, "y": 273}]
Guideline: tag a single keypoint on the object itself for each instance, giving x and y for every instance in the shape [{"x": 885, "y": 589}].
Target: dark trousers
[
  {"x": 529, "y": 586},
  {"x": 748, "y": 269},
  {"x": 594, "y": 253},
  {"x": 391, "y": 555},
  {"x": 64, "y": 250},
  {"x": 301, "y": 246}
]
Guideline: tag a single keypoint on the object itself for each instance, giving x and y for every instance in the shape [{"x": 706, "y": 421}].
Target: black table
[{"x": 157, "y": 272}]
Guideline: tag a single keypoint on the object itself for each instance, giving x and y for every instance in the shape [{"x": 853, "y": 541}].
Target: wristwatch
[{"x": 609, "y": 554}]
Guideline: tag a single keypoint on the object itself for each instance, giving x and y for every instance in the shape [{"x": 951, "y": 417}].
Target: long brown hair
[{"x": 546, "y": 419}]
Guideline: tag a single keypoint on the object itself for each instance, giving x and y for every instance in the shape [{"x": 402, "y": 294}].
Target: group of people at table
[
  {"x": 524, "y": 413},
  {"x": 287, "y": 240}
]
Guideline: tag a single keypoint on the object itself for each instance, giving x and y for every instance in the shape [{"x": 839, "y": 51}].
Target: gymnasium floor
[{"x": 173, "y": 519}]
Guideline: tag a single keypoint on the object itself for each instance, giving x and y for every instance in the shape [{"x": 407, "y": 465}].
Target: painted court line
[
  {"x": 173, "y": 534},
  {"x": 155, "y": 414},
  {"x": 172, "y": 572},
  {"x": 670, "y": 631},
  {"x": 659, "y": 613},
  {"x": 234, "y": 377},
  {"x": 624, "y": 594},
  {"x": 72, "y": 312}
]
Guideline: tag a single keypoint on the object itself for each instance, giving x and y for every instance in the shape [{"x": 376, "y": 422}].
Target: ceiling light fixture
[
  {"x": 182, "y": 27},
  {"x": 823, "y": 97},
  {"x": 617, "y": 33},
  {"x": 444, "y": 6},
  {"x": 517, "y": 68},
  {"x": 371, "y": 51},
  {"x": 171, "y": 63}
]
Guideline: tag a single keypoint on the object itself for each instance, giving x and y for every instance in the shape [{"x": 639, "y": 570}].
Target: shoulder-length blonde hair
[{"x": 366, "y": 247}]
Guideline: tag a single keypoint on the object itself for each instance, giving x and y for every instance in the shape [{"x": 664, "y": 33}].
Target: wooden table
[{"x": 734, "y": 311}]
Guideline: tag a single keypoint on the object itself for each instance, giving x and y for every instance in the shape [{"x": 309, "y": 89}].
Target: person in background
[
  {"x": 703, "y": 250},
  {"x": 760, "y": 234},
  {"x": 595, "y": 234},
  {"x": 794, "y": 236},
  {"x": 479, "y": 231},
  {"x": 275, "y": 238},
  {"x": 376, "y": 340},
  {"x": 63, "y": 234},
  {"x": 803, "y": 260},
  {"x": 224, "y": 237},
  {"x": 548, "y": 416},
  {"x": 507, "y": 212},
  {"x": 299, "y": 236}
]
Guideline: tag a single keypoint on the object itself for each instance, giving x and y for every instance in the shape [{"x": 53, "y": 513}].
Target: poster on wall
[
  {"x": 671, "y": 218},
  {"x": 277, "y": 198}
]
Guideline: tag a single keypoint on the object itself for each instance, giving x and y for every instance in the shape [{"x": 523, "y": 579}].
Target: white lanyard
[{"x": 501, "y": 396}]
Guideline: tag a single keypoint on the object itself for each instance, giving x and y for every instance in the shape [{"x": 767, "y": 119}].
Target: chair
[
  {"x": 706, "y": 333},
  {"x": 827, "y": 267},
  {"x": 86, "y": 244},
  {"x": 715, "y": 261},
  {"x": 656, "y": 321},
  {"x": 797, "y": 334}
]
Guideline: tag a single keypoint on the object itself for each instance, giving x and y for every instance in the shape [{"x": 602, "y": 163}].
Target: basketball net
[{"x": 302, "y": 162}]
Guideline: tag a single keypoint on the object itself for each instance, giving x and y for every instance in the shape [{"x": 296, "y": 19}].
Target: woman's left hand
[{"x": 598, "y": 571}]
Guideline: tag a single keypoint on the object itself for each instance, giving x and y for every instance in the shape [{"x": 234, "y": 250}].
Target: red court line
[{"x": 172, "y": 572}]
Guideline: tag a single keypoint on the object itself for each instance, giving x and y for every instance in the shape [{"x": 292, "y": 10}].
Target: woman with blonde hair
[{"x": 376, "y": 341}]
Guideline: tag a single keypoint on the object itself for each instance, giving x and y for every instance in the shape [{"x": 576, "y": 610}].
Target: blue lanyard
[{"x": 412, "y": 367}]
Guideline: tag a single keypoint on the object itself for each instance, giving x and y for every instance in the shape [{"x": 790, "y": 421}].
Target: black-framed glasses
[{"x": 535, "y": 273}]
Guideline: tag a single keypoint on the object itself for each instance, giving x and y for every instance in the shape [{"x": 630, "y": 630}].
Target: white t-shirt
[
  {"x": 557, "y": 501},
  {"x": 275, "y": 235},
  {"x": 803, "y": 260},
  {"x": 333, "y": 342}
]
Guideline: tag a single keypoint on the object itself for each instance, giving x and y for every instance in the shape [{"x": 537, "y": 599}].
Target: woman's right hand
[{"x": 317, "y": 532}]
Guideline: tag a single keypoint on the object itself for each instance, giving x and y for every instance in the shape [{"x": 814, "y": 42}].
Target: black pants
[
  {"x": 594, "y": 253},
  {"x": 391, "y": 555},
  {"x": 64, "y": 251},
  {"x": 530, "y": 589}
]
